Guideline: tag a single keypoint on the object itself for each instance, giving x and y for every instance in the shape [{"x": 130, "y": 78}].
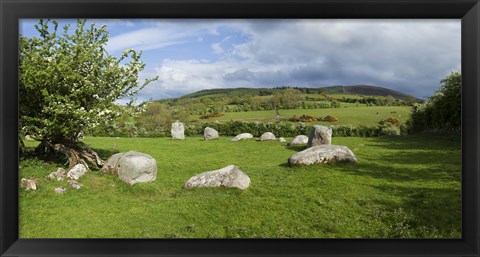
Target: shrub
[
  {"x": 389, "y": 130},
  {"x": 211, "y": 115},
  {"x": 294, "y": 118},
  {"x": 328, "y": 118},
  {"x": 391, "y": 120},
  {"x": 442, "y": 110},
  {"x": 303, "y": 118},
  {"x": 351, "y": 131}
]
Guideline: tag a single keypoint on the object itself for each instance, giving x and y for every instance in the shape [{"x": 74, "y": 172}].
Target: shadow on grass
[
  {"x": 391, "y": 174},
  {"x": 296, "y": 148},
  {"x": 420, "y": 142},
  {"x": 422, "y": 177},
  {"x": 53, "y": 158},
  {"x": 103, "y": 153},
  {"x": 423, "y": 212}
]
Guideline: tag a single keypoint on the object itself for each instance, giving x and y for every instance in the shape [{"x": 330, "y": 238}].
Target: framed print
[{"x": 239, "y": 128}]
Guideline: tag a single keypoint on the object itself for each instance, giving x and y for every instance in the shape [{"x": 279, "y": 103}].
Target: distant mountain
[{"x": 364, "y": 90}]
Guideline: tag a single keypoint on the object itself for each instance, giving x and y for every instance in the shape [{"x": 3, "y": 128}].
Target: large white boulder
[
  {"x": 242, "y": 137},
  {"x": 299, "y": 140},
  {"x": 322, "y": 154},
  {"x": 210, "y": 133},
  {"x": 267, "y": 136},
  {"x": 319, "y": 135},
  {"x": 178, "y": 130},
  {"x": 132, "y": 167},
  {"x": 230, "y": 176}
]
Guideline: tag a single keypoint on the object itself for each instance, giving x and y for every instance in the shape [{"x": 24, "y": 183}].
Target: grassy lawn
[
  {"x": 368, "y": 116},
  {"x": 401, "y": 187}
]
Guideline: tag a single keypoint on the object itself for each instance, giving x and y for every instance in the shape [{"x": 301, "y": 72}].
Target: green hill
[{"x": 364, "y": 90}]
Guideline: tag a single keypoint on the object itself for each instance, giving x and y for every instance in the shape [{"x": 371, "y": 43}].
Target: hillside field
[
  {"x": 368, "y": 116},
  {"x": 401, "y": 187}
]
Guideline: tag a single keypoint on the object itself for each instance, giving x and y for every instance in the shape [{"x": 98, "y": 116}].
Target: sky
[{"x": 410, "y": 56}]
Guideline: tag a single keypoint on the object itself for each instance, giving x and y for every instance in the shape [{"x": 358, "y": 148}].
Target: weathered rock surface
[
  {"x": 230, "y": 176},
  {"x": 77, "y": 171},
  {"x": 60, "y": 190},
  {"x": 267, "y": 136},
  {"x": 132, "y": 167},
  {"x": 319, "y": 135},
  {"x": 299, "y": 140},
  {"x": 281, "y": 139},
  {"x": 74, "y": 184},
  {"x": 242, "y": 136},
  {"x": 178, "y": 130},
  {"x": 28, "y": 184},
  {"x": 322, "y": 154},
  {"x": 59, "y": 175},
  {"x": 210, "y": 133}
]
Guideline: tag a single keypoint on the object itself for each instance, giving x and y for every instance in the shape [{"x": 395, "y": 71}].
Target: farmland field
[
  {"x": 367, "y": 116},
  {"x": 401, "y": 187}
]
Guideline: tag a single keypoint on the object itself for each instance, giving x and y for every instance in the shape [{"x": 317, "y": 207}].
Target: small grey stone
[
  {"x": 58, "y": 175},
  {"x": 299, "y": 140},
  {"x": 281, "y": 139},
  {"x": 210, "y": 133},
  {"x": 60, "y": 190},
  {"x": 267, "y": 136},
  {"x": 77, "y": 171},
  {"x": 28, "y": 184},
  {"x": 74, "y": 184}
]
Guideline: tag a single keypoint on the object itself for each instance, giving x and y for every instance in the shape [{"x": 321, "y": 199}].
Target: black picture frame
[{"x": 13, "y": 10}]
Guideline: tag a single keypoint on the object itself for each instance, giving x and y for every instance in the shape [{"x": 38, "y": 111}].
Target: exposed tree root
[{"x": 76, "y": 152}]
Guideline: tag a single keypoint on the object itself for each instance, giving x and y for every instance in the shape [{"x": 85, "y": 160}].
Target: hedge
[{"x": 280, "y": 129}]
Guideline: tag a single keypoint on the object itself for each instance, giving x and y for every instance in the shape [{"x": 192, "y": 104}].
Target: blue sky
[{"x": 410, "y": 56}]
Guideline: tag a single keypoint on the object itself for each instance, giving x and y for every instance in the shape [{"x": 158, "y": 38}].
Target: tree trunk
[{"x": 76, "y": 152}]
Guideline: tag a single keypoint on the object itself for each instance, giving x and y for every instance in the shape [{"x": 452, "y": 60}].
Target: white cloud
[
  {"x": 145, "y": 39},
  {"x": 157, "y": 34},
  {"x": 217, "y": 49}
]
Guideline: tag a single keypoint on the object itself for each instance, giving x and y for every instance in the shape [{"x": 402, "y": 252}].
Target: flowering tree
[{"x": 68, "y": 83}]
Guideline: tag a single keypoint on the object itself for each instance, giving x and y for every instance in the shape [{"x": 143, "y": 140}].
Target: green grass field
[
  {"x": 368, "y": 116},
  {"x": 401, "y": 187}
]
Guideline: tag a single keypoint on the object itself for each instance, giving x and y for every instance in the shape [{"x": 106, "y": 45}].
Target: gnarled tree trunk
[{"x": 76, "y": 152}]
